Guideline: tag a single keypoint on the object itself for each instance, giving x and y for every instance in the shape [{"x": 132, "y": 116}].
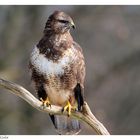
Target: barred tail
[{"x": 65, "y": 125}]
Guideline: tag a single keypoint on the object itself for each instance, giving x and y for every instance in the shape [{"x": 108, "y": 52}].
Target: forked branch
[{"x": 86, "y": 115}]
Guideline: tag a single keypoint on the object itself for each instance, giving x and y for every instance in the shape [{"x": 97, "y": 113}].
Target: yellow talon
[
  {"x": 46, "y": 102},
  {"x": 69, "y": 108}
]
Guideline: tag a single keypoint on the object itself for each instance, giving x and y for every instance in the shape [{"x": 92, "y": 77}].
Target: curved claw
[
  {"x": 68, "y": 107},
  {"x": 46, "y": 102}
]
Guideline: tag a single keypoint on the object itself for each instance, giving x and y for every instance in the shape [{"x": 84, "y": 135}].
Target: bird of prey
[{"x": 58, "y": 71}]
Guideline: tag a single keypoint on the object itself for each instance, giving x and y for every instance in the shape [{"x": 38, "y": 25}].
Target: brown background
[{"x": 110, "y": 38}]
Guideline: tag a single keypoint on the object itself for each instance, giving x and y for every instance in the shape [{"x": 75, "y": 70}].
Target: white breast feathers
[{"x": 46, "y": 67}]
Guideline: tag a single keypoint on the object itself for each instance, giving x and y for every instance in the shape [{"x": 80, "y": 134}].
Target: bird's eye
[{"x": 63, "y": 21}]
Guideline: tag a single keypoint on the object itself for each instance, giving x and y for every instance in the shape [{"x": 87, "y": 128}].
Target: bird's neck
[
  {"x": 53, "y": 46},
  {"x": 58, "y": 39}
]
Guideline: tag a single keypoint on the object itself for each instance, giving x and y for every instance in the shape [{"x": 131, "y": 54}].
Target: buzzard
[{"x": 58, "y": 71}]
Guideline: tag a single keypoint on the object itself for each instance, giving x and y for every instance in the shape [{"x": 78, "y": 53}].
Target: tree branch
[{"x": 86, "y": 114}]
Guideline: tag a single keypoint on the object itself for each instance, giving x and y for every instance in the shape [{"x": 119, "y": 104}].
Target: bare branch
[{"x": 86, "y": 115}]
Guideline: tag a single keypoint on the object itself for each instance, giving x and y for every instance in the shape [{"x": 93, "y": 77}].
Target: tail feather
[{"x": 65, "y": 125}]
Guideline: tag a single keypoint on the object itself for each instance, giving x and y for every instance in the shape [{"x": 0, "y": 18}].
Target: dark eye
[{"x": 63, "y": 21}]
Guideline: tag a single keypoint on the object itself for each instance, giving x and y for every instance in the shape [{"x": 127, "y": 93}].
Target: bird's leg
[
  {"x": 68, "y": 107},
  {"x": 46, "y": 102}
]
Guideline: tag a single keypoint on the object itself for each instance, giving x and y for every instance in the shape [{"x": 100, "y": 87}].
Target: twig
[{"x": 86, "y": 115}]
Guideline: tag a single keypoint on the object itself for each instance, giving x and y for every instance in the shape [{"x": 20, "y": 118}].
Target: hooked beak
[{"x": 73, "y": 25}]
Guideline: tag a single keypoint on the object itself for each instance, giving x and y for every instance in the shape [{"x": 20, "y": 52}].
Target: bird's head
[{"x": 59, "y": 22}]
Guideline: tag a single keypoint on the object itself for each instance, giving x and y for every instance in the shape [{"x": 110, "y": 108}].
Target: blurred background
[{"x": 110, "y": 38}]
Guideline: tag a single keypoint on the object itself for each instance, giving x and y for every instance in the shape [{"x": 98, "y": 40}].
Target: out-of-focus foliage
[{"x": 110, "y": 38}]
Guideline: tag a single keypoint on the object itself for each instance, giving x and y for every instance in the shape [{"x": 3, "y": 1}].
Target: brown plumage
[{"x": 58, "y": 70}]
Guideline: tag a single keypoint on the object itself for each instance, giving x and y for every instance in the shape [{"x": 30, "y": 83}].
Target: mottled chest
[
  {"x": 59, "y": 77},
  {"x": 48, "y": 67}
]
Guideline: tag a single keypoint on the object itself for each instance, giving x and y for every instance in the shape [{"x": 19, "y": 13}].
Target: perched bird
[{"x": 58, "y": 71}]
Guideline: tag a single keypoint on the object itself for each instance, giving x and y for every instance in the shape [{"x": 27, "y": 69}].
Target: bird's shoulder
[{"x": 77, "y": 47}]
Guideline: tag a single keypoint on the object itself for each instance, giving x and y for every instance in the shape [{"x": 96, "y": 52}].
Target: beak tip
[{"x": 73, "y": 26}]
